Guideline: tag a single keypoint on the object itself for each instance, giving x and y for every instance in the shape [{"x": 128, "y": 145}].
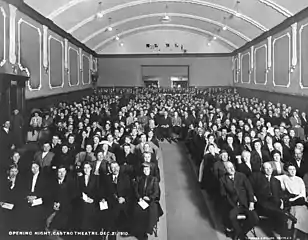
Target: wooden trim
[
  {"x": 275, "y": 30},
  {"x": 33, "y": 14},
  {"x": 167, "y": 55}
]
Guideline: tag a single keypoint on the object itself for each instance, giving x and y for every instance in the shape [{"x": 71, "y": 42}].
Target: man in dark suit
[
  {"x": 6, "y": 144},
  {"x": 247, "y": 167},
  {"x": 17, "y": 127},
  {"x": 268, "y": 194},
  {"x": 63, "y": 191},
  {"x": 165, "y": 127},
  {"x": 120, "y": 192},
  {"x": 259, "y": 156},
  {"x": 300, "y": 163},
  {"x": 44, "y": 158},
  {"x": 222, "y": 140},
  {"x": 35, "y": 194},
  {"x": 238, "y": 193}
]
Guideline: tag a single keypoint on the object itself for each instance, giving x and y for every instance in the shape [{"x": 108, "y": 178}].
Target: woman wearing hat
[{"x": 146, "y": 189}]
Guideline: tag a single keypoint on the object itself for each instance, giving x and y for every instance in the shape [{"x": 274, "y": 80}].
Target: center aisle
[{"x": 187, "y": 214}]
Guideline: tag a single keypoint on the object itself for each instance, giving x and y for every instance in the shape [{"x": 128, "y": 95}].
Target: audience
[{"x": 104, "y": 150}]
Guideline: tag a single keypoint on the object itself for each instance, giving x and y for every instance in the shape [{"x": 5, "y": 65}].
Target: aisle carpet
[{"x": 187, "y": 214}]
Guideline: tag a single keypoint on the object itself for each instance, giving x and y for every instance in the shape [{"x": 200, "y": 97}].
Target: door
[{"x": 12, "y": 95}]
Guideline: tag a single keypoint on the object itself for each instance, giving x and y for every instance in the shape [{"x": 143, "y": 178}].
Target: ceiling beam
[
  {"x": 161, "y": 26},
  {"x": 195, "y": 2},
  {"x": 194, "y": 17}
]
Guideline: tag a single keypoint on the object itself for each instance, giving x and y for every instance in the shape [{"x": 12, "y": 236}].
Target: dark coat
[
  {"x": 264, "y": 190},
  {"x": 238, "y": 192},
  {"x": 64, "y": 194},
  {"x": 144, "y": 220},
  {"x": 87, "y": 212}
]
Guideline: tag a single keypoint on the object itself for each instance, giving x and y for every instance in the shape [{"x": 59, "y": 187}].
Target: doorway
[
  {"x": 12, "y": 95},
  {"x": 165, "y": 74}
]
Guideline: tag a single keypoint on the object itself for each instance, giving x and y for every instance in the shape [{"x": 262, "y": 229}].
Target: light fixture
[
  {"x": 214, "y": 38},
  {"x": 209, "y": 43},
  {"x": 109, "y": 28},
  {"x": 99, "y": 13},
  {"x": 166, "y": 18},
  {"x": 121, "y": 44},
  {"x": 117, "y": 37},
  {"x": 224, "y": 28},
  {"x": 237, "y": 11}
]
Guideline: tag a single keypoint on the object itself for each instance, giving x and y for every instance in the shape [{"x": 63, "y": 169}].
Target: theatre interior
[{"x": 153, "y": 119}]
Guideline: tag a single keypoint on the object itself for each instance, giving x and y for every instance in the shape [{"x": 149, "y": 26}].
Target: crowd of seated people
[
  {"x": 104, "y": 150},
  {"x": 252, "y": 160}
]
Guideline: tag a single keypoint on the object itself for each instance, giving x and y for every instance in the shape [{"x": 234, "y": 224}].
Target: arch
[
  {"x": 239, "y": 34},
  {"x": 73, "y": 3},
  {"x": 197, "y": 2},
  {"x": 175, "y": 26},
  {"x": 277, "y": 7}
]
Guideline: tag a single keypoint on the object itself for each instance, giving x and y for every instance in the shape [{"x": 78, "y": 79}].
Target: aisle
[{"x": 187, "y": 214}]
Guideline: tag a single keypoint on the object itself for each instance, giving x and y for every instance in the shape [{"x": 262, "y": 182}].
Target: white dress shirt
[
  {"x": 34, "y": 179},
  {"x": 44, "y": 154},
  {"x": 86, "y": 179},
  {"x": 278, "y": 166},
  {"x": 98, "y": 164},
  {"x": 6, "y": 130}
]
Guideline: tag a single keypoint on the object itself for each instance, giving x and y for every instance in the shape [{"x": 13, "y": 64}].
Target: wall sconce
[
  {"x": 267, "y": 69},
  {"x": 46, "y": 69},
  {"x": 14, "y": 69},
  {"x": 238, "y": 71},
  {"x": 250, "y": 71},
  {"x": 292, "y": 68},
  {"x": 66, "y": 70}
]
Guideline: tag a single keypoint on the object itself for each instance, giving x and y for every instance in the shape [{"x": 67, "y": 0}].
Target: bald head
[{"x": 267, "y": 168}]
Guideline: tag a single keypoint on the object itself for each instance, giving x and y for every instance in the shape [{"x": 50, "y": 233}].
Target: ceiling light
[
  {"x": 165, "y": 18},
  {"x": 224, "y": 28},
  {"x": 214, "y": 38},
  {"x": 117, "y": 38},
  {"x": 109, "y": 29},
  {"x": 99, "y": 15},
  {"x": 121, "y": 44},
  {"x": 209, "y": 43},
  {"x": 237, "y": 9}
]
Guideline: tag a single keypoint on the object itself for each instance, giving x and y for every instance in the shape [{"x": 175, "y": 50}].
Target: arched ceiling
[{"x": 243, "y": 21}]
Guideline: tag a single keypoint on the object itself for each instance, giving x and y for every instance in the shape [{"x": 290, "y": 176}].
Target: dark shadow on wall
[{"x": 296, "y": 102}]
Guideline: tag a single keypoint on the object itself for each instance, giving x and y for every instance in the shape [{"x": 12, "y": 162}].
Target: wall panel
[
  {"x": 30, "y": 53},
  {"x": 260, "y": 73},
  {"x": 73, "y": 57},
  {"x": 86, "y": 70},
  {"x": 303, "y": 56},
  {"x": 281, "y": 60},
  {"x": 56, "y": 62},
  {"x": 245, "y": 61}
]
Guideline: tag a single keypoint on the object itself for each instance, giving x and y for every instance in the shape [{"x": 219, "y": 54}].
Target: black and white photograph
[{"x": 153, "y": 120}]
